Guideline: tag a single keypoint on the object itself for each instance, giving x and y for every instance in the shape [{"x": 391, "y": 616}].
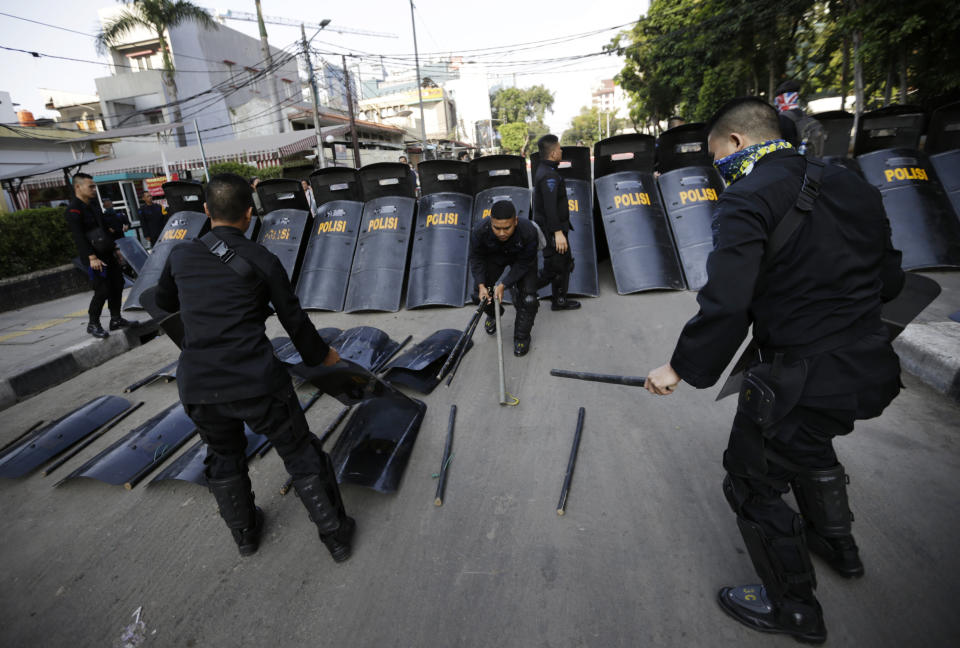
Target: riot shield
[
  {"x": 182, "y": 226},
  {"x": 441, "y": 238},
  {"x": 575, "y": 168},
  {"x": 889, "y": 128},
  {"x": 282, "y": 193},
  {"x": 683, "y": 146},
  {"x": 183, "y": 195},
  {"x": 689, "y": 195},
  {"x": 922, "y": 221},
  {"x": 635, "y": 226},
  {"x": 837, "y": 126},
  {"x": 133, "y": 253},
  {"x": 326, "y": 265},
  {"x": 379, "y": 263},
  {"x": 943, "y": 134},
  {"x": 285, "y": 232},
  {"x": 335, "y": 183},
  {"x": 253, "y": 229},
  {"x": 947, "y": 166},
  {"x": 418, "y": 367}
]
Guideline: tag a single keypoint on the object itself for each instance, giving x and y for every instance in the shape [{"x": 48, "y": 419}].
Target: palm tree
[{"x": 157, "y": 16}]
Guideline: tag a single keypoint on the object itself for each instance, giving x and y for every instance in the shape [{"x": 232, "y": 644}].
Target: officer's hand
[
  {"x": 332, "y": 358},
  {"x": 484, "y": 293},
  {"x": 662, "y": 380},
  {"x": 96, "y": 264},
  {"x": 498, "y": 292},
  {"x": 560, "y": 242}
]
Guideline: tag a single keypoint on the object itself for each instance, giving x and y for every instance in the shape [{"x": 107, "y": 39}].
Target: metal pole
[
  {"x": 203, "y": 156},
  {"x": 316, "y": 99},
  {"x": 353, "y": 119},
  {"x": 163, "y": 158},
  {"x": 271, "y": 77},
  {"x": 416, "y": 58}
]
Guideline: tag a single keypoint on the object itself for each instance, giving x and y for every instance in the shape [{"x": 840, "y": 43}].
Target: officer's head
[
  {"x": 229, "y": 201},
  {"x": 83, "y": 187},
  {"x": 740, "y": 123},
  {"x": 147, "y": 197},
  {"x": 549, "y": 148},
  {"x": 402, "y": 159},
  {"x": 107, "y": 203},
  {"x": 503, "y": 219}
]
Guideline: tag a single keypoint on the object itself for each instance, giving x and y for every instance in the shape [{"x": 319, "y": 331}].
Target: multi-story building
[{"x": 610, "y": 98}]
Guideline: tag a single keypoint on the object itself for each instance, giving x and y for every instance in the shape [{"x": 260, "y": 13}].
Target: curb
[
  {"x": 71, "y": 362},
  {"x": 931, "y": 352}
]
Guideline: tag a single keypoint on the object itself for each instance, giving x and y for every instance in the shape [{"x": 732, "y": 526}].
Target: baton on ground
[
  {"x": 462, "y": 351},
  {"x": 106, "y": 428},
  {"x": 383, "y": 363},
  {"x": 445, "y": 462},
  {"x": 630, "y": 381},
  {"x": 503, "y": 384},
  {"x": 323, "y": 439},
  {"x": 463, "y": 334},
  {"x": 149, "y": 379},
  {"x": 571, "y": 464}
]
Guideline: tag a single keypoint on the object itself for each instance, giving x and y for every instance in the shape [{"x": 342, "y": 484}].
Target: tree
[
  {"x": 590, "y": 126},
  {"x": 157, "y": 16},
  {"x": 514, "y": 137},
  {"x": 511, "y": 106}
]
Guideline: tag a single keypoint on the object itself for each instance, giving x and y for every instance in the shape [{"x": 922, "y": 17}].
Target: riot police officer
[
  {"x": 552, "y": 214},
  {"x": 223, "y": 284},
  {"x": 497, "y": 242},
  {"x": 94, "y": 235},
  {"x": 812, "y": 291}
]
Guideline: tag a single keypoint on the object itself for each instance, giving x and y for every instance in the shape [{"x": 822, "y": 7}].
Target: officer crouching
[{"x": 228, "y": 375}]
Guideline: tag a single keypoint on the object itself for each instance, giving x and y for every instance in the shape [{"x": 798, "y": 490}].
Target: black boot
[
  {"x": 751, "y": 606},
  {"x": 117, "y": 323},
  {"x": 236, "y": 503},
  {"x": 822, "y": 498},
  {"x": 521, "y": 347},
  {"x": 323, "y": 504},
  {"x": 490, "y": 325},
  {"x": 94, "y": 329},
  {"x": 559, "y": 300}
]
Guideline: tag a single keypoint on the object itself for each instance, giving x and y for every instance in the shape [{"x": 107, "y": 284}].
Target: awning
[
  {"x": 130, "y": 131},
  {"x": 31, "y": 170}
]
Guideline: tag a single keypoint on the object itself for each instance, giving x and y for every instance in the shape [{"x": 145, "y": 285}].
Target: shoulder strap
[
  {"x": 809, "y": 192},
  {"x": 228, "y": 256}
]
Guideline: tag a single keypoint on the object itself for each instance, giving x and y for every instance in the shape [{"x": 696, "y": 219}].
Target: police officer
[
  {"x": 822, "y": 351},
  {"x": 152, "y": 219},
  {"x": 113, "y": 214},
  {"x": 552, "y": 214},
  {"x": 497, "y": 242},
  {"x": 94, "y": 234},
  {"x": 798, "y": 128},
  {"x": 228, "y": 374}
]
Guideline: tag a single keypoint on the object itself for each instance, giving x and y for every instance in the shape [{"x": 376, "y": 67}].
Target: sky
[{"x": 452, "y": 27}]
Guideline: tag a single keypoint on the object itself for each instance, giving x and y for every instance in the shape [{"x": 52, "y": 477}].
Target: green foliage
[
  {"x": 34, "y": 239},
  {"x": 584, "y": 127},
  {"x": 528, "y": 106},
  {"x": 243, "y": 170},
  {"x": 514, "y": 137},
  {"x": 269, "y": 173}
]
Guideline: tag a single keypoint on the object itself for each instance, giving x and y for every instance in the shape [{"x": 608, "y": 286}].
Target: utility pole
[
  {"x": 353, "y": 120},
  {"x": 271, "y": 77},
  {"x": 416, "y": 57},
  {"x": 608, "y": 124},
  {"x": 322, "y": 159}
]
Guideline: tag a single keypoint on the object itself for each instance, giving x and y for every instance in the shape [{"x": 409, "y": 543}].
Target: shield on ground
[
  {"x": 943, "y": 134},
  {"x": 889, "y": 128},
  {"x": 689, "y": 195},
  {"x": 182, "y": 226},
  {"x": 418, "y": 367},
  {"x": 380, "y": 261},
  {"x": 947, "y": 166},
  {"x": 635, "y": 226},
  {"x": 922, "y": 221},
  {"x": 837, "y": 126},
  {"x": 285, "y": 232},
  {"x": 441, "y": 238},
  {"x": 190, "y": 465}
]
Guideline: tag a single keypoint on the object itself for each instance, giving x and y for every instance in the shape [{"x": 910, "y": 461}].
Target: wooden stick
[
  {"x": 445, "y": 462},
  {"x": 109, "y": 426},
  {"x": 630, "y": 381},
  {"x": 571, "y": 464}
]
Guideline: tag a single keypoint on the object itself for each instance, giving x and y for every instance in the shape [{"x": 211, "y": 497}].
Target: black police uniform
[
  {"x": 107, "y": 284},
  {"x": 489, "y": 257},
  {"x": 152, "y": 221},
  {"x": 551, "y": 211},
  {"x": 228, "y": 375},
  {"x": 817, "y": 304}
]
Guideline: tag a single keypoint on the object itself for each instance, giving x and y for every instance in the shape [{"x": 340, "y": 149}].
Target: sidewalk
[{"x": 45, "y": 344}]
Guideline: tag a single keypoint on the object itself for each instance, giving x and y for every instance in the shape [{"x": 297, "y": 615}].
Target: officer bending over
[
  {"x": 228, "y": 375},
  {"x": 497, "y": 242},
  {"x": 823, "y": 354},
  {"x": 551, "y": 211}
]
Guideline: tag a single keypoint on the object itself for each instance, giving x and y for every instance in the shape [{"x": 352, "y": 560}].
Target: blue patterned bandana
[{"x": 738, "y": 164}]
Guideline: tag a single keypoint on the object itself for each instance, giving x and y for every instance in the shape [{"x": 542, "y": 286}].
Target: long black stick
[
  {"x": 323, "y": 439},
  {"x": 445, "y": 462},
  {"x": 21, "y": 435},
  {"x": 462, "y": 351},
  {"x": 473, "y": 318},
  {"x": 630, "y": 381},
  {"x": 109, "y": 426},
  {"x": 571, "y": 464},
  {"x": 149, "y": 379},
  {"x": 383, "y": 363}
]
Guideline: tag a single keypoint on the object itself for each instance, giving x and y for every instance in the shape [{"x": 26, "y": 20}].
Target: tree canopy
[
  {"x": 521, "y": 112},
  {"x": 590, "y": 126}
]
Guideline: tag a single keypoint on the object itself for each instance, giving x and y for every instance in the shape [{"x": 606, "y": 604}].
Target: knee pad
[
  {"x": 822, "y": 498},
  {"x": 530, "y": 303}
]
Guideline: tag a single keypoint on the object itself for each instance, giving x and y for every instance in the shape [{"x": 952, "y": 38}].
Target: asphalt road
[{"x": 646, "y": 542}]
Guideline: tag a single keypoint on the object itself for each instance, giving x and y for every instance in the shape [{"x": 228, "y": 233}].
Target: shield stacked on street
[
  {"x": 376, "y": 278},
  {"x": 838, "y": 128},
  {"x": 286, "y": 222},
  {"x": 923, "y": 224},
  {"x": 333, "y": 239},
  {"x": 943, "y": 147},
  {"x": 441, "y": 238},
  {"x": 632, "y": 217},
  {"x": 185, "y": 221},
  {"x": 689, "y": 188},
  {"x": 575, "y": 169}
]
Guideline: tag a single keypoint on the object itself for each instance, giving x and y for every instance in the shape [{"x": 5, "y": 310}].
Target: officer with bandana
[{"x": 821, "y": 348}]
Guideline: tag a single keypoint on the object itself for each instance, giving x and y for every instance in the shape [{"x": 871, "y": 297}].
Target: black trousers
[
  {"x": 107, "y": 288},
  {"x": 277, "y": 416},
  {"x": 556, "y": 267},
  {"x": 523, "y": 294}
]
